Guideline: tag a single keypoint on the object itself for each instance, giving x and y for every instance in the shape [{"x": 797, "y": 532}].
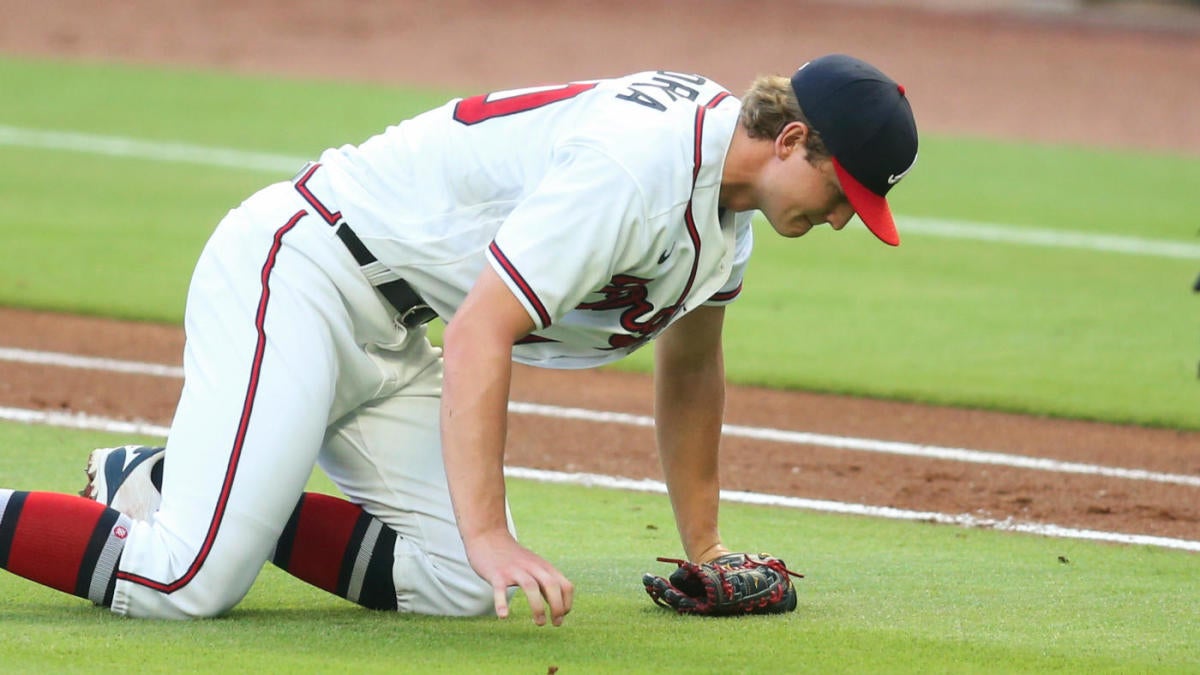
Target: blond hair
[{"x": 769, "y": 105}]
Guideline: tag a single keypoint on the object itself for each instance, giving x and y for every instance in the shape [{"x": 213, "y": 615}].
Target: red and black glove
[{"x": 735, "y": 583}]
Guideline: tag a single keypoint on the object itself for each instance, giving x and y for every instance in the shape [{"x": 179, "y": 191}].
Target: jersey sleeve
[
  {"x": 744, "y": 244},
  {"x": 568, "y": 236}
]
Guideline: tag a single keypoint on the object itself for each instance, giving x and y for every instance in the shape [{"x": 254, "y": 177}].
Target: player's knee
[
  {"x": 473, "y": 599},
  {"x": 165, "y": 578},
  {"x": 207, "y": 600},
  {"x": 194, "y": 601},
  {"x": 447, "y": 588},
  {"x": 472, "y": 602},
  {"x": 219, "y": 585}
]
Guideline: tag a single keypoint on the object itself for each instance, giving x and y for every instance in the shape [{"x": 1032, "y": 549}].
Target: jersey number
[{"x": 500, "y": 104}]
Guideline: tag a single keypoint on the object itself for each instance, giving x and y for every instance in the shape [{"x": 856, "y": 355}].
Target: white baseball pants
[{"x": 294, "y": 359}]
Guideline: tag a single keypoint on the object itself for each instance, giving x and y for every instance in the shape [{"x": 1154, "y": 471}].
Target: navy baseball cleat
[{"x": 128, "y": 479}]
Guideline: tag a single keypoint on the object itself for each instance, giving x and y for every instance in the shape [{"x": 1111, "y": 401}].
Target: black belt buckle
[
  {"x": 413, "y": 309},
  {"x": 417, "y": 315}
]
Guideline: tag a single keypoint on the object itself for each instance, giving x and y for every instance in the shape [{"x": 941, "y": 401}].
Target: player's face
[{"x": 798, "y": 195}]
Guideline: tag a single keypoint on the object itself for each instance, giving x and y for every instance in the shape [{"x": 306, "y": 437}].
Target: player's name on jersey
[{"x": 672, "y": 86}]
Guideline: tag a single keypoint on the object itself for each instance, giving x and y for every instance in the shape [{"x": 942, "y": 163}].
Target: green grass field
[
  {"x": 1058, "y": 331},
  {"x": 879, "y": 596}
]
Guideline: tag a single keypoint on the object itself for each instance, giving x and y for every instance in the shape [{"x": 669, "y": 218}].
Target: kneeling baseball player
[{"x": 561, "y": 226}]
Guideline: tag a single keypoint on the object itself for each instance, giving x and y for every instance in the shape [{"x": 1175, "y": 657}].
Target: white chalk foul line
[
  {"x": 731, "y": 430},
  {"x": 871, "y": 445},
  {"x": 76, "y": 420},
  {"x": 121, "y": 146},
  {"x": 89, "y": 363},
  {"x": 843, "y": 508},
  {"x": 94, "y": 423}
]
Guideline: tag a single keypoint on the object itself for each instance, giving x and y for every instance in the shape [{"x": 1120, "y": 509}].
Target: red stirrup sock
[
  {"x": 68, "y": 543},
  {"x": 338, "y": 547}
]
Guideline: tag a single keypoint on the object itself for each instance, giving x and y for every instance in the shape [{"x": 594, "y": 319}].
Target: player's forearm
[
  {"x": 478, "y": 370},
  {"x": 688, "y": 410},
  {"x": 694, "y": 490}
]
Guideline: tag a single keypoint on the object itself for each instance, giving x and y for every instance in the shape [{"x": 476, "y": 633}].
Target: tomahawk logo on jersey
[{"x": 628, "y": 294}]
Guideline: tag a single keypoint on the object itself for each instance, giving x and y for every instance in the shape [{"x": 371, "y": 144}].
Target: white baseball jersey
[{"x": 595, "y": 201}]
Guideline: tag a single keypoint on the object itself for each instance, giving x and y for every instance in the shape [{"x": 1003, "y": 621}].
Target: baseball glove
[{"x": 735, "y": 583}]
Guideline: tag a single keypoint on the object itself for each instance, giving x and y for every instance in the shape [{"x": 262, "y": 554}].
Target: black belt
[{"x": 413, "y": 310}]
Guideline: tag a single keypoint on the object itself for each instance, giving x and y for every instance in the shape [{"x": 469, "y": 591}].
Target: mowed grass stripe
[{"x": 121, "y": 146}]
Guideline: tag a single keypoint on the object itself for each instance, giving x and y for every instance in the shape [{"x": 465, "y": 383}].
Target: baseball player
[{"x": 559, "y": 226}]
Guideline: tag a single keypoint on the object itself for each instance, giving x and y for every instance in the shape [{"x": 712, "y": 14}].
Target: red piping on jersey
[
  {"x": 302, "y": 187},
  {"x": 727, "y": 295},
  {"x": 240, "y": 439},
  {"x": 526, "y": 289},
  {"x": 693, "y": 233}
]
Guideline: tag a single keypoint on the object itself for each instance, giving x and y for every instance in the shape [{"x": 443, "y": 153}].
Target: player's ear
[{"x": 791, "y": 139}]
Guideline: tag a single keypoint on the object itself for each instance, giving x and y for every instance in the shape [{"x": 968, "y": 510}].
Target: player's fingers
[
  {"x": 568, "y": 595},
  {"x": 552, "y": 590},
  {"x": 533, "y": 594},
  {"x": 559, "y": 593},
  {"x": 500, "y": 597}
]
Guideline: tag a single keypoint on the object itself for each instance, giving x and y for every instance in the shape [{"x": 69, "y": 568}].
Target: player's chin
[
  {"x": 791, "y": 228},
  {"x": 799, "y": 230}
]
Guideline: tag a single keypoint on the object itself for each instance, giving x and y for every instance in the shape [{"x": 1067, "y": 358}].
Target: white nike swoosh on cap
[{"x": 895, "y": 178}]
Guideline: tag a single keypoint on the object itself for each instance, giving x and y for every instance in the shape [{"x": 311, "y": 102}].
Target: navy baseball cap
[{"x": 867, "y": 124}]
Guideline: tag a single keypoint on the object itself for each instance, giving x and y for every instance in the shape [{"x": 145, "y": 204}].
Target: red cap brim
[{"x": 871, "y": 208}]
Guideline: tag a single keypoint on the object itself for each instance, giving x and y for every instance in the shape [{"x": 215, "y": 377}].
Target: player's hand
[{"x": 504, "y": 563}]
